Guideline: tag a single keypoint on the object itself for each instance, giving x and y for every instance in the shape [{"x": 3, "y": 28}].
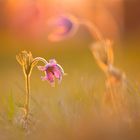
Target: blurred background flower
[
  {"x": 29, "y": 18},
  {"x": 63, "y": 26}
]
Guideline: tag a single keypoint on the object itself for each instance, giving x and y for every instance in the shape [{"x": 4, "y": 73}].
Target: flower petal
[
  {"x": 44, "y": 78},
  {"x": 57, "y": 73},
  {"x": 41, "y": 68},
  {"x": 52, "y": 61},
  {"x": 66, "y": 24},
  {"x": 60, "y": 69},
  {"x": 50, "y": 77},
  {"x": 62, "y": 27}
]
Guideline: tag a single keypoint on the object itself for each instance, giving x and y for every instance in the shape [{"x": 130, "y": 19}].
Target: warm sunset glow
[{"x": 69, "y": 70}]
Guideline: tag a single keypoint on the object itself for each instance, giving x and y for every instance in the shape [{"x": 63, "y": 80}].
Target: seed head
[
  {"x": 25, "y": 59},
  {"x": 103, "y": 54}
]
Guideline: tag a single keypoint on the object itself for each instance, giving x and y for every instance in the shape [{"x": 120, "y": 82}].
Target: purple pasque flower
[
  {"x": 62, "y": 27},
  {"x": 52, "y": 71}
]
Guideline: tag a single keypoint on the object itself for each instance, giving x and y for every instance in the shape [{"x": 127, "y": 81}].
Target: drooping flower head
[
  {"x": 62, "y": 27},
  {"x": 52, "y": 71}
]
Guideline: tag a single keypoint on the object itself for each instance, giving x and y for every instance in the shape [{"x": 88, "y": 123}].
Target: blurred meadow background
[{"x": 74, "y": 109}]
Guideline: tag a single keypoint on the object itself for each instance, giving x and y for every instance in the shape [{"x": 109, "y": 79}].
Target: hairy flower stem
[
  {"x": 96, "y": 34},
  {"x": 27, "y": 85},
  {"x": 37, "y": 59},
  {"x": 27, "y": 100},
  {"x": 111, "y": 92},
  {"x": 27, "y": 62}
]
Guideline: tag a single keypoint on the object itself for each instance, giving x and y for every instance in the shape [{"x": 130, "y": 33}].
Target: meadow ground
[{"x": 75, "y": 109}]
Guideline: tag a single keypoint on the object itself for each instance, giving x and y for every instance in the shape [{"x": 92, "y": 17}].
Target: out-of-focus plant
[
  {"x": 52, "y": 70},
  {"x": 62, "y": 27},
  {"x": 115, "y": 79},
  {"x": 66, "y": 25}
]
